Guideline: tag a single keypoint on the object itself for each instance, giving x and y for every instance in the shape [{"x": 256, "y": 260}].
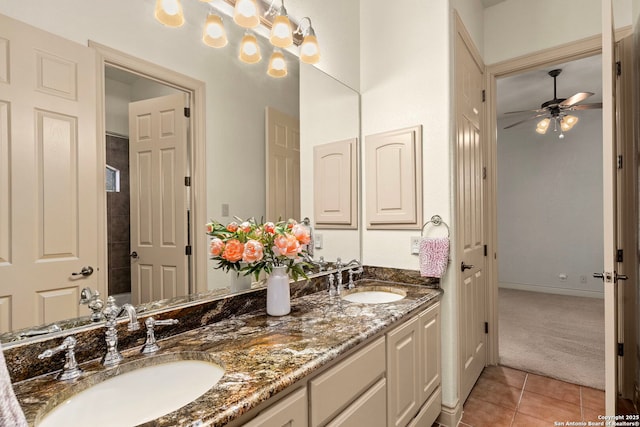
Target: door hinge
[
  {"x": 619, "y": 68},
  {"x": 187, "y": 181},
  {"x": 187, "y": 112},
  {"x": 485, "y": 250},
  {"x": 484, "y": 172},
  {"x": 484, "y": 95},
  {"x": 619, "y": 161},
  {"x": 486, "y": 327},
  {"x": 188, "y": 250},
  {"x": 619, "y": 255},
  {"x": 620, "y": 349}
]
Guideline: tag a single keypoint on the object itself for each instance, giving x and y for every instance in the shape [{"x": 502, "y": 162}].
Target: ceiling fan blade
[
  {"x": 540, "y": 110},
  {"x": 525, "y": 120},
  {"x": 580, "y": 96},
  {"x": 586, "y": 106}
]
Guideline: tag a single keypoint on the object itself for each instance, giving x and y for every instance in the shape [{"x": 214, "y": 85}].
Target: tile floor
[{"x": 510, "y": 398}]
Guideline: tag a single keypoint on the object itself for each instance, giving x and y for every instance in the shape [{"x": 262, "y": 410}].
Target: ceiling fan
[{"x": 557, "y": 110}]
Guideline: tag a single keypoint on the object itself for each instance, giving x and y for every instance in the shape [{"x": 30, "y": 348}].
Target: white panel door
[
  {"x": 283, "y": 165},
  {"x": 158, "y": 166},
  {"x": 48, "y": 176},
  {"x": 609, "y": 161},
  {"x": 470, "y": 216}
]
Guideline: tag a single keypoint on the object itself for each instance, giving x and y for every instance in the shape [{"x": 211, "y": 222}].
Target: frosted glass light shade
[
  {"x": 568, "y": 122},
  {"x": 281, "y": 33},
  {"x": 277, "y": 65},
  {"x": 245, "y": 13},
  {"x": 249, "y": 49},
  {"x": 543, "y": 125},
  {"x": 169, "y": 13},
  {"x": 214, "y": 33},
  {"x": 309, "y": 49}
]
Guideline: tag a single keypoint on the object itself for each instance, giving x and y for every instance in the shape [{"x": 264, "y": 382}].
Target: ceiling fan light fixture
[
  {"x": 543, "y": 125},
  {"x": 568, "y": 122}
]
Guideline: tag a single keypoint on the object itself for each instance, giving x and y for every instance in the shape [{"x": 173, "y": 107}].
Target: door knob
[
  {"x": 464, "y": 266},
  {"x": 134, "y": 255},
  {"x": 86, "y": 271}
]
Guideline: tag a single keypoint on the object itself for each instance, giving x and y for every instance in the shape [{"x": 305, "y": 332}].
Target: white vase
[
  {"x": 238, "y": 281},
  {"x": 278, "y": 298}
]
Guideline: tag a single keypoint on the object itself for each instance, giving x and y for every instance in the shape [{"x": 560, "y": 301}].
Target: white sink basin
[
  {"x": 373, "y": 295},
  {"x": 137, "y": 396}
]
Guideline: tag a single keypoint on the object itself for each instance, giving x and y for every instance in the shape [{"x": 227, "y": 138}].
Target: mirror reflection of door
[
  {"x": 147, "y": 219},
  {"x": 283, "y": 165}
]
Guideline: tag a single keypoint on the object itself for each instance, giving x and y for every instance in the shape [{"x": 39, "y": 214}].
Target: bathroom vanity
[{"x": 330, "y": 362}]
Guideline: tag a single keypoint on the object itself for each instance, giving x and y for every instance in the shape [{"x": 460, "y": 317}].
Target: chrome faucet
[
  {"x": 70, "y": 370},
  {"x": 352, "y": 271},
  {"x": 92, "y": 300},
  {"x": 150, "y": 345},
  {"x": 339, "y": 267},
  {"x": 111, "y": 313}
]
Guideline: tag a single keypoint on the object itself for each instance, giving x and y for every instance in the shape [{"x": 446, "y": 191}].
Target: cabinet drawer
[
  {"x": 429, "y": 411},
  {"x": 369, "y": 410},
  {"x": 291, "y": 411},
  {"x": 338, "y": 387}
]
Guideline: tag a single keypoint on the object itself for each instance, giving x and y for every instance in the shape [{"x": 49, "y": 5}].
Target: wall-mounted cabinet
[
  {"x": 335, "y": 184},
  {"x": 393, "y": 179}
]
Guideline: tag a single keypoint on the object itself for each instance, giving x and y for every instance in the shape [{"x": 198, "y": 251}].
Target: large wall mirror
[{"x": 237, "y": 96}]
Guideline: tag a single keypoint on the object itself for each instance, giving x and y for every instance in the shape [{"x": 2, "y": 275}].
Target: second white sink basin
[
  {"x": 137, "y": 396},
  {"x": 373, "y": 295}
]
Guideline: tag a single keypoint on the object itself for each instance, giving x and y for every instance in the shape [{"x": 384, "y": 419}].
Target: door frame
[
  {"x": 567, "y": 52},
  {"x": 106, "y": 56}
]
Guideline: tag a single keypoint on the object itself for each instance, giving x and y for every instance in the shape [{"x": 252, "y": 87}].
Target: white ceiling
[{"x": 528, "y": 90}]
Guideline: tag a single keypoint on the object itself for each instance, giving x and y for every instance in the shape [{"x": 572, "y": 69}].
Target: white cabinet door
[
  {"x": 429, "y": 351},
  {"x": 403, "y": 373},
  {"x": 369, "y": 410}
]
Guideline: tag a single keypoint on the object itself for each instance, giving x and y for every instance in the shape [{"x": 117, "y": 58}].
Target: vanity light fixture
[
  {"x": 249, "y": 49},
  {"x": 281, "y": 32},
  {"x": 309, "y": 49},
  {"x": 277, "y": 64},
  {"x": 214, "y": 33},
  {"x": 169, "y": 13},
  {"x": 245, "y": 13}
]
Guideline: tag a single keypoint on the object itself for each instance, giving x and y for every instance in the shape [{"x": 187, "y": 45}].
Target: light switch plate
[
  {"x": 225, "y": 209},
  {"x": 317, "y": 239}
]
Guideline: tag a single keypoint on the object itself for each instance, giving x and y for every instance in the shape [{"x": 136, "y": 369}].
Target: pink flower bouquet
[{"x": 251, "y": 247}]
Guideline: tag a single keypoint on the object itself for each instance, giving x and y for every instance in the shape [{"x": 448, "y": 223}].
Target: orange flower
[
  {"x": 209, "y": 227},
  {"x": 253, "y": 251},
  {"x": 216, "y": 247},
  {"x": 245, "y": 227},
  {"x": 232, "y": 227},
  {"x": 269, "y": 227},
  {"x": 286, "y": 245},
  {"x": 291, "y": 223},
  {"x": 233, "y": 250},
  {"x": 302, "y": 234}
]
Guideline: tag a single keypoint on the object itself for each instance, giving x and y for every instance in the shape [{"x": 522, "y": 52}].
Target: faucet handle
[
  {"x": 150, "y": 345},
  {"x": 70, "y": 370}
]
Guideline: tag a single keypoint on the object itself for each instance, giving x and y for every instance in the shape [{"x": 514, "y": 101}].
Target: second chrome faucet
[{"x": 111, "y": 313}]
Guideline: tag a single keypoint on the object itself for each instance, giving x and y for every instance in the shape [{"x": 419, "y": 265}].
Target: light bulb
[
  {"x": 542, "y": 126},
  {"x": 214, "y": 34},
  {"x": 309, "y": 50},
  {"x": 281, "y": 33},
  {"x": 249, "y": 49},
  {"x": 277, "y": 65},
  {"x": 245, "y": 13},
  {"x": 169, "y": 13}
]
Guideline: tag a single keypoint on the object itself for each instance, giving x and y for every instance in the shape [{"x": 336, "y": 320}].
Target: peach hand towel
[
  {"x": 434, "y": 256},
  {"x": 10, "y": 411}
]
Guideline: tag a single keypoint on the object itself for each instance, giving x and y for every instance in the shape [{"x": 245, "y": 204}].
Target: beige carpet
[{"x": 553, "y": 335}]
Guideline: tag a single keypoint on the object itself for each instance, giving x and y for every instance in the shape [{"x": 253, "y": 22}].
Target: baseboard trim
[
  {"x": 552, "y": 290},
  {"x": 450, "y": 417}
]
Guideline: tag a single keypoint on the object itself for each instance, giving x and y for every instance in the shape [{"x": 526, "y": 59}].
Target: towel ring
[{"x": 435, "y": 220}]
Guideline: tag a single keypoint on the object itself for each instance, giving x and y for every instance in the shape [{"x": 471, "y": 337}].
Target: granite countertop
[{"x": 261, "y": 355}]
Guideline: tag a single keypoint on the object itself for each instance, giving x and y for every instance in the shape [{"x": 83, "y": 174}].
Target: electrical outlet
[
  {"x": 317, "y": 239},
  {"x": 415, "y": 245}
]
